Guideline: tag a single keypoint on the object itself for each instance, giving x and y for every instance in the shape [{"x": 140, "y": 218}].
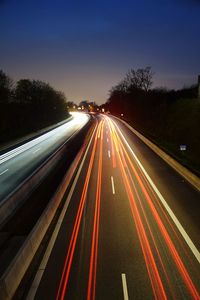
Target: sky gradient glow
[{"x": 85, "y": 47}]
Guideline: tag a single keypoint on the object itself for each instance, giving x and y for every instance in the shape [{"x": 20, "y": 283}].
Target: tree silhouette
[
  {"x": 29, "y": 106},
  {"x": 6, "y": 85},
  {"x": 139, "y": 79}
]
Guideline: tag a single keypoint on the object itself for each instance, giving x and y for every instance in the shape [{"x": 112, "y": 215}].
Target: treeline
[
  {"x": 168, "y": 117},
  {"x": 27, "y": 106}
]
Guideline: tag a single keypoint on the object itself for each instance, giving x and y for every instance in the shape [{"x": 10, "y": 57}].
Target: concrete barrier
[
  {"x": 16, "y": 270},
  {"x": 183, "y": 171}
]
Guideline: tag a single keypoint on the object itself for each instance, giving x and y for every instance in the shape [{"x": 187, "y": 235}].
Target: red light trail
[
  {"x": 157, "y": 285},
  {"x": 68, "y": 261},
  {"x": 94, "y": 248},
  {"x": 143, "y": 204}
]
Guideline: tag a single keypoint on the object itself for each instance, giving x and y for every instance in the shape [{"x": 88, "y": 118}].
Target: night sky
[{"x": 85, "y": 47}]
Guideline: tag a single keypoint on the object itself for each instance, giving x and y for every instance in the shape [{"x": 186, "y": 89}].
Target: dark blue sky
[{"x": 85, "y": 47}]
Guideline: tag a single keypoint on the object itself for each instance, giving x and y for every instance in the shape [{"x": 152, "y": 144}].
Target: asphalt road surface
[
  {"x": 17, "y": 164},
  {"x": 130, "y": 230}
]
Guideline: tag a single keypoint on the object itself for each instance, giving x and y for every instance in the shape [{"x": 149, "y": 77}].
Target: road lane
[
  {"x": 17, "y": 164},
  {"x": 156, "y": 218},
  {"x": 181, "y": 196},
  {"x": 117, "y": 240}
]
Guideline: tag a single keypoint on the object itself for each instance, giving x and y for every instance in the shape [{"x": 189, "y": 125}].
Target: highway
[
  {"x": 16, "y": 165},
  {"x": 129, "y": 228}
]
